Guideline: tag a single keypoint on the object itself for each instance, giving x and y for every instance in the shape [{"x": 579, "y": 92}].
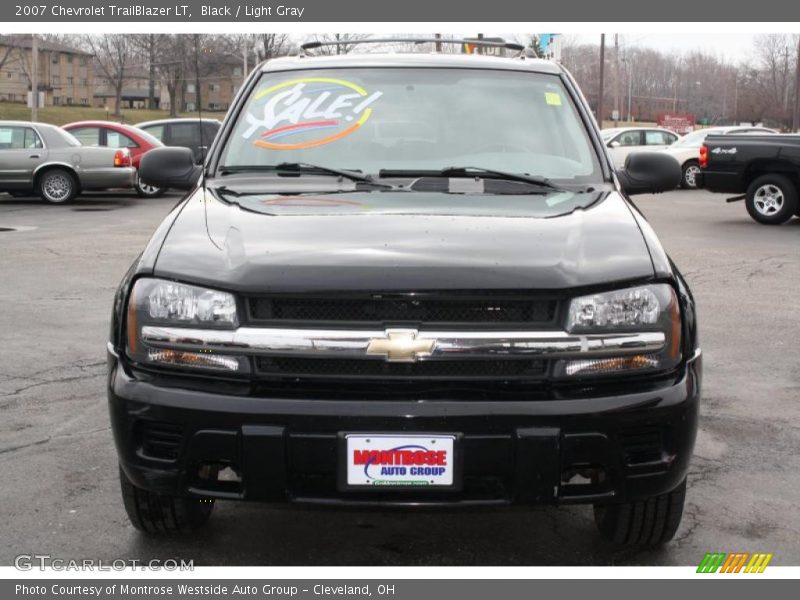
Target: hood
[{"x": 363, "y": 241}]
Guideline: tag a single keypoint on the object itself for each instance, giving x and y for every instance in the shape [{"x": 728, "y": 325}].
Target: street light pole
[
  {"x": 796, "y": 114},
  {"x": 34, "y": 78},
  {"x": 602, "y": 74},
  {"x": 629, "y": 64}
]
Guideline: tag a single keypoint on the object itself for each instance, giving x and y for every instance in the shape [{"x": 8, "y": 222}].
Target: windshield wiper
[
  {"x": 481, "y": 172},
  {"x": 304, "y": 168}
]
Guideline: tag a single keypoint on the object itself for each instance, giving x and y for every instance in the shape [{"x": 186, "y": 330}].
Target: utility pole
[
  {"x": 34, "y": 78},
  {"x": 616, "y": 79},
  {"x": 244, "y": 60},
  {"x": 151, "y": 84},
  {"x": 602, "y": 77},
  {"x": 796, "y": 115}
]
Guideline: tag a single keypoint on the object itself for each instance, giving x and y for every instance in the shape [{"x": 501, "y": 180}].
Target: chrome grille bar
[{"x": 334, "y": 343}]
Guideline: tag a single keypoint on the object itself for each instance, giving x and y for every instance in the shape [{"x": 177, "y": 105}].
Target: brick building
[{"x": 65, "y": 74}]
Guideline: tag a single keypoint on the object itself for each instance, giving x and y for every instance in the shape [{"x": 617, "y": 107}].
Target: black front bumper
[{"x": 627, "y": 447}]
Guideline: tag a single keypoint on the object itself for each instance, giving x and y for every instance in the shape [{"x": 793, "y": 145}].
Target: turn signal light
[
  {"x": 703, "y": 156},
  {"x": 194, "y": 359},
  {"x": 611, "y": 365}
]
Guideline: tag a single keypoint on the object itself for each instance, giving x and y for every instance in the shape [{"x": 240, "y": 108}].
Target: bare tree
[
  {"x": 272, "y": 45},
  {"x": 342, "y": 43},
  {"x": 112, "y": 53},
  {"x": 172, "y": 68}
]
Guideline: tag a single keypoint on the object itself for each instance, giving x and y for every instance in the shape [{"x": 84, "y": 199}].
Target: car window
[
  {"x": 115, "y": 139},
  {"x": 629, "y": 138},
  {"x": 157, "y": 131},
  {"x": 184, "y": 134},
  {"x": 87, "y": 136},
  {"x": 414, "y": 119},
  {"x": 19, "y": 138},
  {"x": 209, "y": 133},
  {"x": 658, "y": 138}
]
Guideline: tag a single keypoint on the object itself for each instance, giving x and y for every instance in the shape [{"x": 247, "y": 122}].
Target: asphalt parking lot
[{"x": 60, "y": 496}]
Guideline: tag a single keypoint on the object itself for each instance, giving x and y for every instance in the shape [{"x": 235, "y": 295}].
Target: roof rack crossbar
[{"x": 474, "y": 42}]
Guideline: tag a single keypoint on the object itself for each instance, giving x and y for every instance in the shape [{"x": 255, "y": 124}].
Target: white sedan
[
  {"x": 621, "y": 141},
  {"x": 687, "y": 149}
]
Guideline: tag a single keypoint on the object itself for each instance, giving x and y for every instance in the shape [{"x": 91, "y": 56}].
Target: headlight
[
  {"x": 638, "y": 309},
  {"x": 157, "y": 302}
]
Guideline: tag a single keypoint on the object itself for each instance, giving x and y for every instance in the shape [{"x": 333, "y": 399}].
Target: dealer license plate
[{"x": 400, "y": 460}]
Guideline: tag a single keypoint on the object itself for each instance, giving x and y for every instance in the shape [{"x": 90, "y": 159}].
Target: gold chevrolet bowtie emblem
[{"x": 401, "y": 345}]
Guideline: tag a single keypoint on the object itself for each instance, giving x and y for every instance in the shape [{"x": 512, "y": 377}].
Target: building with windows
[{"x": 65, "y": 74}]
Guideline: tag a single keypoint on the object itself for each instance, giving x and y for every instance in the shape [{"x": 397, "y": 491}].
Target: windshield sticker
[
  {"x": 308, "y": 104},
  {"x": 552, "y": 98}
]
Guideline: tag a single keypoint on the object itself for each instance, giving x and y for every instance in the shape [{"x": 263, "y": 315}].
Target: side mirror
[
  {"x": 649, "y": 173},
  {"x": 170, "y": 167},
  {"x": 614, "y": 144}
]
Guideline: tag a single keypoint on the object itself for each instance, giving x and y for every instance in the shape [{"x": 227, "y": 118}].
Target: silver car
[{"x": 48, "y": 161}]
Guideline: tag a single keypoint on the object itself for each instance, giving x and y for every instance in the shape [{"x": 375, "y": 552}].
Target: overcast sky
[{"x": 735, "y": 47}]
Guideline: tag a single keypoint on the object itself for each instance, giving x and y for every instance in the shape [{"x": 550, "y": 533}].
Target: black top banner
[{"x": 445, "y": 11}]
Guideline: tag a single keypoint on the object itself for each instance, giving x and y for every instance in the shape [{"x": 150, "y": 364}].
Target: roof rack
[{"x": 473, "y": 42}]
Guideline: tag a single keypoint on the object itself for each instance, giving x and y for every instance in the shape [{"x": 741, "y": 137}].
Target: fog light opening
[
  {"x": 221, "y": 472},
  {"x": 583, "y": 476}
]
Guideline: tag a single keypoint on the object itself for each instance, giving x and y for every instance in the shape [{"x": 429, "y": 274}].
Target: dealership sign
[{"x": 680, "y": 123}]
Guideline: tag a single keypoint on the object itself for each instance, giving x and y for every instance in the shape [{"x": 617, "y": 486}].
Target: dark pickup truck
[{"x": 765, "y": 168}]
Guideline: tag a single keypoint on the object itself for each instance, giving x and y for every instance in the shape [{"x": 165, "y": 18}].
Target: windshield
[
  {"x": 607, "y": 134},
  {"x": 375, "y": 119},
  {"x": 696, "y": 138},
  {"x": 68, "y": 138},
  {"x": 149, "y": 138}
]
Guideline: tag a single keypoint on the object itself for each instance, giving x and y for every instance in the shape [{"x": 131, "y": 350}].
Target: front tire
[
  {"x": 57, "y": 186},
  {"x": 691, "y": 169},
  {"x": 643, "y": 523},
  {"x": 158, "y": 514},
  {"x": 772, "y": 199},
  {"x": 145, "y": 190}
]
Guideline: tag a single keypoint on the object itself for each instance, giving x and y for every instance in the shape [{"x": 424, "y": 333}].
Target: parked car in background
[
  {"x": 765, "y": 168},
  {"x": 117, "y": 135},
  {"x": 621, "y": 141},
  {"x": 192, "y": 133},
  {"x": 49, "y": 161},
  {"x": 687, "y": 149}
]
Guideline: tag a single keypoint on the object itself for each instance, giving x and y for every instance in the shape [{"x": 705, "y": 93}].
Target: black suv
[{"x": 406, "y": 280}]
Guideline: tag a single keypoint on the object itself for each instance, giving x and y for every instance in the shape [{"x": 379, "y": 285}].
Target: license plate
[{"x": 381, "y": 460}]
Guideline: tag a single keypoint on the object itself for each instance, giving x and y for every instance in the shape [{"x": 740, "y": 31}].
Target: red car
[{"x": 118, "y": 135}]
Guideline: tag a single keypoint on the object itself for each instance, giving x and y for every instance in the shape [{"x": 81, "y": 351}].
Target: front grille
[
  {"x": 159, "y": 440},
  {"x": 454, "y": 309},
  {"x": 642, "y": 445},
  {"x": 446, "y": 369}
]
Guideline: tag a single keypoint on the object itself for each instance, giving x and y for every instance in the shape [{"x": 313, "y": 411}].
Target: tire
[
  {"x": 644, "y": 523},
  {"x": 772, "y": 199},
  {"x": 690, "y": 169},
  {"x": 145, "y": 190},
  {"x": 57, "y": 186},
  {"x": 157, "y": 514}
]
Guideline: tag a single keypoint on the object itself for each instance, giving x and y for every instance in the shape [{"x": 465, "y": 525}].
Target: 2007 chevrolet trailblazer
[{"x": 406, "y": 280}]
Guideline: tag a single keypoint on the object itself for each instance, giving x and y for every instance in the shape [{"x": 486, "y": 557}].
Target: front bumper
[{"x": 627, "y": 447}]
